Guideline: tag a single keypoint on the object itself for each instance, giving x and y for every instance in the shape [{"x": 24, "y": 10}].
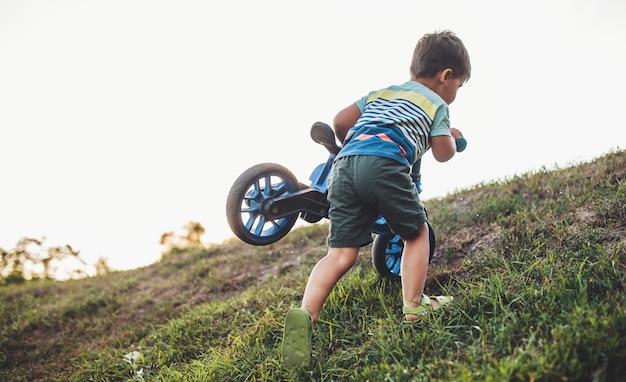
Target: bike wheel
[
  {"x": 387, "y": 253},
  {"x": 250, "y": 190}
]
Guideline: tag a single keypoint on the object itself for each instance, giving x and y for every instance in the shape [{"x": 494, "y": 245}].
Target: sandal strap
[
  {"x": 425, "y": 305},
  {"x": 443, "y": 300},
  {"x": 419, "y": 310}
]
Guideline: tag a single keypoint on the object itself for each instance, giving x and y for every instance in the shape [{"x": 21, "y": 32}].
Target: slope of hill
[{"x": 536, "y": 262}]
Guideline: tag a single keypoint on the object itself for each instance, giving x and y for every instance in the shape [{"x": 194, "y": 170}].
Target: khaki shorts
[{"x": 360, "y": 189}]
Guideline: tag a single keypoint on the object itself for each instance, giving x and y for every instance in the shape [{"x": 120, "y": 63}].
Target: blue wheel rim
[
  {"x": 262, "y": 189},
  {"x": 394, "y": 255}
]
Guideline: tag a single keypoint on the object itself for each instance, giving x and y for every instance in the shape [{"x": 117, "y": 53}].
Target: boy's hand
[
  {"x": 456, "y": 133},
  {"x": 444, "y": 148}
]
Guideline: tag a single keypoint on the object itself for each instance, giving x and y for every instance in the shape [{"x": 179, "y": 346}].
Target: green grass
[{"x": 537, "y": 264}]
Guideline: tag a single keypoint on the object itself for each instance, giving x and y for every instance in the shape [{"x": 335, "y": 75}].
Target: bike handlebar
[
  {"x": 323, "y": 134},
  {"x": 461, "y": 144}
]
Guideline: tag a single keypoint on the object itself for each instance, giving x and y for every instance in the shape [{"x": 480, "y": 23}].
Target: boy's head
[{"x": 439, "y": 51}]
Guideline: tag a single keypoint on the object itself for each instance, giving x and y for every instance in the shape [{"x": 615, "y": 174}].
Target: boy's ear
[{"x": 445, "y": 75}]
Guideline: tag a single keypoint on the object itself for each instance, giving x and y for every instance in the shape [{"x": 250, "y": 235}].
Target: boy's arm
[
  {"x": 444, "y": 146},
  {"x": 345, "y": 120}
]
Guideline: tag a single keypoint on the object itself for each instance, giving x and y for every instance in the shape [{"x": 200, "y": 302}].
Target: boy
[{"x": 383, "y": 135}]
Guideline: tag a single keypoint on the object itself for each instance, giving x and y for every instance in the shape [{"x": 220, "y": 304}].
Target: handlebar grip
[{"x": 461, "y": 144}]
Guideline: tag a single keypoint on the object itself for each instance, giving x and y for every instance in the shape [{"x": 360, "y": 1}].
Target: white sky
[{"x": 123, "y": 120}]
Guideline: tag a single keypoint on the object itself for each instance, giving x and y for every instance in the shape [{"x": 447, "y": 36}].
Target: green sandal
[
  {"x": 425, "y": 305},
  {"x": 297, "y": 338}
]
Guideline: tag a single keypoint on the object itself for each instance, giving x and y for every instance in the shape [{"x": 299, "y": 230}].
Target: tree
[
  {"x": 195, "y": 231},
  {"x": 30, "y": 260},
  {"x": 63, "y": 255},
  {"x": 102, "y": 266},
  {"x": 190, "y": 238},
  {"x": 17, "y": 264}
]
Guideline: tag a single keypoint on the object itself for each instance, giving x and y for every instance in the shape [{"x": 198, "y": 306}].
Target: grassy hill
[{"x": 536, "y": 263}]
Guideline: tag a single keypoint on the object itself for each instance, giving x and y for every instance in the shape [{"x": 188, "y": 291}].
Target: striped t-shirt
[{"x": 397, "y": 122}]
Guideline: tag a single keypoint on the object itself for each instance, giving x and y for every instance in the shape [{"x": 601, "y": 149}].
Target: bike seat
[{"x": 323, "y": 134}]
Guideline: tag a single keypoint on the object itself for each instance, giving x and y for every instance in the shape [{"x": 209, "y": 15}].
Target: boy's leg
[
  {"x": 296, "y": 349},
  {"x": 414, "y": 267},
  {"x": 325, "y": 275}
]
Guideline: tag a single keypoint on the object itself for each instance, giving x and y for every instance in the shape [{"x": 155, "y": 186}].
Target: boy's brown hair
[{"x": 437, "y": 51}]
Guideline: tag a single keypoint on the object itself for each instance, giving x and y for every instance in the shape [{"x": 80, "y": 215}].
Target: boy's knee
[{"x": 344, "y": 257}]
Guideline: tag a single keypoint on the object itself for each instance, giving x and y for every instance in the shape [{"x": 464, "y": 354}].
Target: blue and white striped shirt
[{"x": 396, "y": 122}]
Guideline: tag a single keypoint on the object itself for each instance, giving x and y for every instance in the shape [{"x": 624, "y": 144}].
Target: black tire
[
  {"x": 246, "y": 197},
  {"x": 387, "y": 253}
]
